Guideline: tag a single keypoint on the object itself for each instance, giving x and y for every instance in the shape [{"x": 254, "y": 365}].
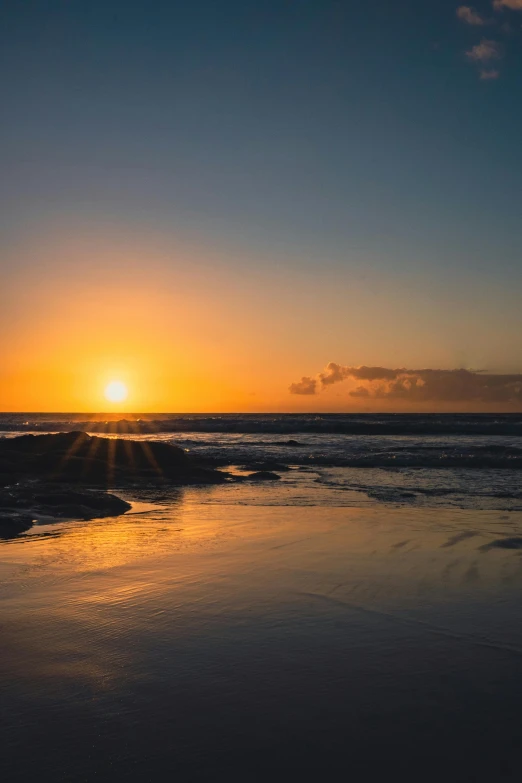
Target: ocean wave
[{"x": 280, "y": 424}]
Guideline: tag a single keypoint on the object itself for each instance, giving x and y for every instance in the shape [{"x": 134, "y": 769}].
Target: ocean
[{"x": 450, "y": 460}]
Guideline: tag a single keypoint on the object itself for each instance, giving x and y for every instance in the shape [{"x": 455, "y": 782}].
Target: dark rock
[
  {"x": 80, "y": 505},
  {"x": 290, "y": 442},
  {"x": 263, "y": 475},
  {"x": 36, "y": 472},
  {"x": 21, "y": 504},
  {"x": 13, "y": 523},
  {"x": 81, "y": 458}
]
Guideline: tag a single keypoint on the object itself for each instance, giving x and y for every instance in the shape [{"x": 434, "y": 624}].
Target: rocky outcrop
[
  {"x": 12, "y": 523},
  {"x": 290, "y": 442},
  {"x": 75, "y": 457},
  {"x": 54, "y": 476},
  {"x": 263, "y": 475},
  {"x": 22, "y": 503}
]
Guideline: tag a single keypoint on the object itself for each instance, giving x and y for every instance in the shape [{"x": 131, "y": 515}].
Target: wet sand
[{"x": 207, "y": 640}]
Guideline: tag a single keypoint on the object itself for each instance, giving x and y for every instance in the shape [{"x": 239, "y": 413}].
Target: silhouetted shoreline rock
[
  {"x": 75, "y": 457},
  {"x": 37, "y": 471},
  {"x": 263, "y": 475},
  {"x": 12, "y": 523},
  {"x": 290, "y": 442},
  {"x": 23, "y": 503}
]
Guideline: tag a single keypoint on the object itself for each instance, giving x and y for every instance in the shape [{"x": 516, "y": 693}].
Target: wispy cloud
[
  {"x": 515, "y": 5},
  {"x": 417, "y": 386},
  {"x": 470, "y": 16},
  {"x": 485, "y": 51},
  {"x": 489, "y": 75}
]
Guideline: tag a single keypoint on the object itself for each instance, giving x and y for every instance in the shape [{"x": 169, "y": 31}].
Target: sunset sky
[{"x": 212, "y": 201}]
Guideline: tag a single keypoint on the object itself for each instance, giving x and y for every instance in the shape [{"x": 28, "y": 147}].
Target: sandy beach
[{"x": 210, "y": 637}]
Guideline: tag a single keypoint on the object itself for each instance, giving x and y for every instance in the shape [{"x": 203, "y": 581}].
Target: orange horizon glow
[{"x": 186, "y": 330}]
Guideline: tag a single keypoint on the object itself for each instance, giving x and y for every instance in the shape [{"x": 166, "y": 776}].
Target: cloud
[
  {"x": 470, "y": 16},
  {"x": 374, "y": 373},
  {"x": 488, "y": 75},
  {"x": 515, "y": 5},
  {"x": 484, "y": 51},
  {"x": 418, "y": 386},
  {"x": 337, "y": 372},
  {"x": 333, "y": 373},
  {"x": 304, "y": 386}
]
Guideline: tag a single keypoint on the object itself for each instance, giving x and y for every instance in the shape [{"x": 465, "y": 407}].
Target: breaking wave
[{"x": 280, "y": 424}]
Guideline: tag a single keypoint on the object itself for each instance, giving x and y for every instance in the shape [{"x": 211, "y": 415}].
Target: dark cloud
[
  {"x": 304, "y": 386},
  {"x": 334, "y": 373},
  {"x": 374, "y": 373},
  {"x": 417, "y": 386}
]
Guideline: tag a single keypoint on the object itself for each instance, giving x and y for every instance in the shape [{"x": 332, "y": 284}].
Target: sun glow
[{"x": 116, "y": 391}]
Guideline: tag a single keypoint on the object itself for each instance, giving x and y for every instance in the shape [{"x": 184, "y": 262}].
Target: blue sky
[{"x": 330, "y": 125}]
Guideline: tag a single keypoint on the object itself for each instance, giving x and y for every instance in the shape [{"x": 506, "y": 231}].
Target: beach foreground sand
[{"x": 202, "y": 640}]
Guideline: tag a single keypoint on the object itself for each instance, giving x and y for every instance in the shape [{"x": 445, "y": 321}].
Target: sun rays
[{"x": 116, "y": 452}]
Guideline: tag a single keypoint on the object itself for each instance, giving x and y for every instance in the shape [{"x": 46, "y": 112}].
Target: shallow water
[
  {"x": 290, "y": 631},
  {"x": 451, "y": 460}
]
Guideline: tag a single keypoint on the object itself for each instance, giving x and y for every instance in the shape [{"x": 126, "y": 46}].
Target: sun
[{"x": 116, "y": 391}]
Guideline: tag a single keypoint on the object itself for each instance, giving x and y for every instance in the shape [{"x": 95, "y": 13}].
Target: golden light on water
[{"x": 116, "y": 391}]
